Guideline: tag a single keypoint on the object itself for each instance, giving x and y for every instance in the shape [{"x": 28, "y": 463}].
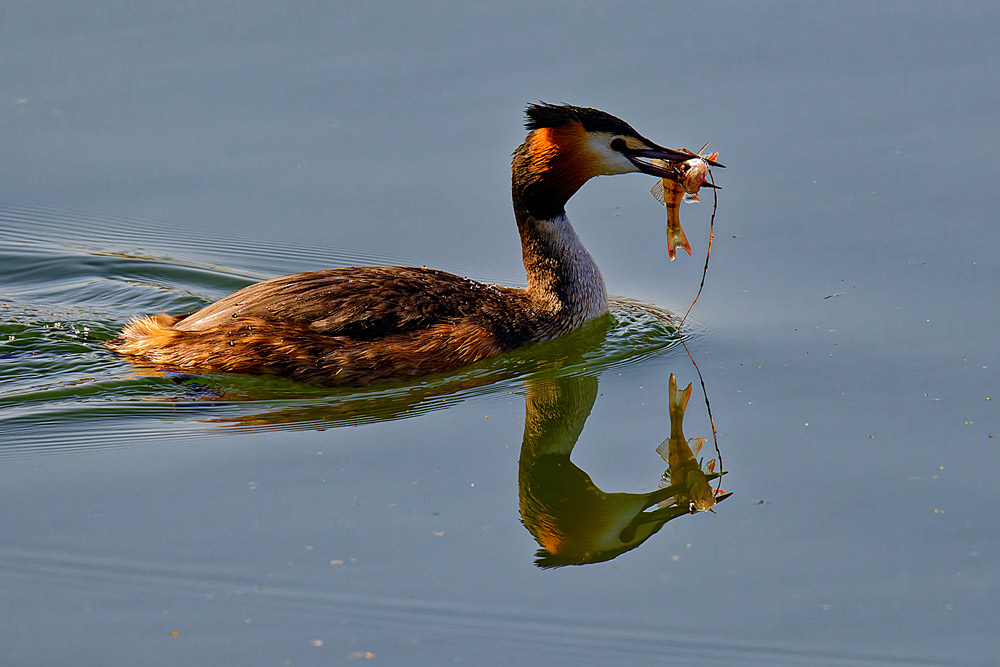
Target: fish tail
[
  {"x": 675, "y": 233},
  {"x": 678, "y": 401}
]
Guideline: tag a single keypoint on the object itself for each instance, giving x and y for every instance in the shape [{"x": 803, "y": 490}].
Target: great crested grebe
[{"x": 362, "y": 325}]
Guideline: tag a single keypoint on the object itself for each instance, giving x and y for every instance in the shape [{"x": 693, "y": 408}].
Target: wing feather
[{"x": 359, "y": 302}]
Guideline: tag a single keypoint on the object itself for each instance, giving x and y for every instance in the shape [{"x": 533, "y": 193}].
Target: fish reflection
[
  {"x": 575, "y": 522},
  {"x": 684, "y": 476}
]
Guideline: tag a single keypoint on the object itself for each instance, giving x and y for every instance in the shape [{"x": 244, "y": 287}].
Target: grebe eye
[{"x": 618, "y": 144}]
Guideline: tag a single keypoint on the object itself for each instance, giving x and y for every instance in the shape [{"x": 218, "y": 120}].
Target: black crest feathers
[{"x": 556, "y": 115}]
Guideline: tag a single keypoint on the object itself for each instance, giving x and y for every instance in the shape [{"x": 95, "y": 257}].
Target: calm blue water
[{"x": 158, "y": 158}]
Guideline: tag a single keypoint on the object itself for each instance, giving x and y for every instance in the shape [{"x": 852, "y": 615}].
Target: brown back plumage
[{"x": 350, "y": 326}]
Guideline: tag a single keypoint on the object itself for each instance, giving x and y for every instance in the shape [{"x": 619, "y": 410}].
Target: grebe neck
[{"x": 562, "y": 276}]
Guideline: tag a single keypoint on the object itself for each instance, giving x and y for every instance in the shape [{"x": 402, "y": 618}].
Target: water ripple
[{"x": 538, "y": 638}]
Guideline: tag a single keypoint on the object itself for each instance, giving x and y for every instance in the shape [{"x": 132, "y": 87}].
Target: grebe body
[{"x": 362, "y": 325}]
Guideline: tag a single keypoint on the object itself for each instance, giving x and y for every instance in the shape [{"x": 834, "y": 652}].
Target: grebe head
[{"x": 569, "y": 145}]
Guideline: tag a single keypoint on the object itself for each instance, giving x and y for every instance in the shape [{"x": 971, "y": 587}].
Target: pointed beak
[
  {"x": 657, "y": 161},
  {"x": 650, "y": 160}
]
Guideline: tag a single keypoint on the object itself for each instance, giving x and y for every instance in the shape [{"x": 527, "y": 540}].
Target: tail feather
[{"x": 143, "y": 334}]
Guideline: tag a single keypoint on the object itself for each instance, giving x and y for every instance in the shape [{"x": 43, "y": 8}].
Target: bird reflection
[{"x": 572, "y": 520}]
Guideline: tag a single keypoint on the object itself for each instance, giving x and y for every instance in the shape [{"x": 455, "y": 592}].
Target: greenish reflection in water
[{"x": 573, "y": 520}]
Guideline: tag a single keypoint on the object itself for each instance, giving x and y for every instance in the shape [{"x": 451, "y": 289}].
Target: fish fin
[
  {"x": 664, "y": 450},
  {"x": 658, "y": 193}
]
